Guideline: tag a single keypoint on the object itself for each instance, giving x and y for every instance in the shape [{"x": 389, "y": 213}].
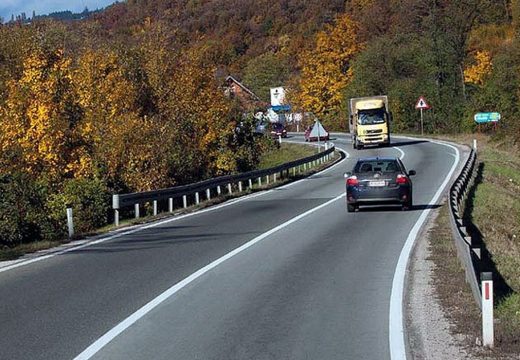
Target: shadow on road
[{"x": 407, "y": 143}]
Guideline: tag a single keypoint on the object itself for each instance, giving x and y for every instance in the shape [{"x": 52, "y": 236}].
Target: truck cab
[{"x": 370, "y": 121}]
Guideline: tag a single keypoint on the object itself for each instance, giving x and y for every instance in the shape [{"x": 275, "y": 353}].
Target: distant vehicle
[
  {"x": 369, "y": 121},
  {"x": 277, "y": 129},
  {"x": 379, "y": 181},
  {"x": 316, "y": 130}
]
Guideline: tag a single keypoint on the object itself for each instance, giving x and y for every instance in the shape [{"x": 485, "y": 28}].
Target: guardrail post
[
  {"x": 486, "y": 279},
  {"x": 259, "y": 181},
  {"x": 116, "y": 217},
  {"x": 155, "y": 208},
  {"x": 197, "y": 199},
  {"x": 184, "y": 201},
  {"x": 136, "y": 210},
  {"x": 250, "y": 183},
  {"x": 70, "y": 222},
  {"x": 170, "y": 205},
  {"x": 267, "y": 179},
  {"x": 475, "y": 144},
  {"x": 293, "y": 171},
  {"x": 230, "y": 190},
  {"x": 208, "y": 194},
  {"x": 274, "y": 177},
  {"x": 240, "y": 186},
  {"x": 219, "y": 191}
]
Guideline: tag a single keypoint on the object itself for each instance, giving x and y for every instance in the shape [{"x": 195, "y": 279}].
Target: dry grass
[{"x": 494, "y": 209}]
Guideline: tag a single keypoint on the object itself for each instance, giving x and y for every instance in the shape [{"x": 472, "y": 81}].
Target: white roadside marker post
[
  {"x": 70, "y": 222},
  {"x": 486, "y": 279},
  {"x": 197, "y": 199},
  {"x": 136, "y": 210},
  {"x": 475, "y": 144},
  {"x": 155, "y": 208},
  {"x": 184, "y": 201},
  {"x": 170, "y": 205},
  {"x": 208, "y": 194}
]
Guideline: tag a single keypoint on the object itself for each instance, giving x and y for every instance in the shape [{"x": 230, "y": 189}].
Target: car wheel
[
  {"x": 351, "y": 207},
  {"x": 407, "y": 205}
]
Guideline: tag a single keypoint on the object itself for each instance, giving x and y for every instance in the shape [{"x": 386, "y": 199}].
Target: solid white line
[
  {"x": 158, "y": 223},
  {"x": 129, "y": 321},
  {"x": 396, "y": 320}
]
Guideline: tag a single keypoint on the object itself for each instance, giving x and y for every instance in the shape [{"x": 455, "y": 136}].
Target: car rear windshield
[{"x": 366, "y": 166}]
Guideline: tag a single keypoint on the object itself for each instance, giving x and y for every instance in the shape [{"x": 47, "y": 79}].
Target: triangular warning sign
[{"x": 422, "y": 104}]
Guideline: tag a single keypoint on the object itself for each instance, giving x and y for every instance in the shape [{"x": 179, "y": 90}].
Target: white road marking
[
  {"x": 138, "y": 228},
  {"x": 401, "y": 151},
  {"x": 396, "y": 326},
  {"x": 129, "y": 321}
]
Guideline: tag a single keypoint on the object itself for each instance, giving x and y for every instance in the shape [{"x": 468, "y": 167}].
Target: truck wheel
[{"x": 351, "y": 207}]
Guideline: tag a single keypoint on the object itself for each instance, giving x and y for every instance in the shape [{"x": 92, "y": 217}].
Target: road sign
[
  {"x": 422, "y": 104},
  {"x": 482, "y": 118}
]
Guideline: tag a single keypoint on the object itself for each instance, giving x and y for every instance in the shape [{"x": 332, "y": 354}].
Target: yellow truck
[{"x": 369, "y": 121}]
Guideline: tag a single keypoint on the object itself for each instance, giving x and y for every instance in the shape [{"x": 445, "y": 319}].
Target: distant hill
[{"x": 66, "y": 15}]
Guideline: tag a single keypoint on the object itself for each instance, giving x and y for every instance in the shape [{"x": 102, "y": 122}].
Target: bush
[
  {"x": 89, "y": 199},
  {"x": 21, "y": 209}
]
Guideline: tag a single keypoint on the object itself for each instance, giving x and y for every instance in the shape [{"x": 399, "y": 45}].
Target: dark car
[
  {"x": 277, "y": 129},
  {"x": 379, "y": 181}
]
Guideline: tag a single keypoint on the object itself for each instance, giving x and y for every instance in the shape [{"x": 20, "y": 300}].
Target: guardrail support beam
[
  {"x": 250, "y": 183},
  {"x": 219, "y": 190},
  {"x": 259, "y": 181},
  {"x": 136, "y": 210},
  {"x": 197, "y": 199},
  {"x": 208, "y": 194},
  {"x": 240, "y": 186},
  {"x": 155, "y": 208},
  {"x": 230, "y": 190},
  {"x": 170, "y": 205},
  {"x": 184, "y": 201}
]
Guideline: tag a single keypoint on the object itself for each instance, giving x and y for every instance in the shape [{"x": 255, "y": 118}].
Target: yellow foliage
[
  {"x": 477, "y": 73},
  {"x": 39, "y": 119},
  {"x": 325, "y": 70}
]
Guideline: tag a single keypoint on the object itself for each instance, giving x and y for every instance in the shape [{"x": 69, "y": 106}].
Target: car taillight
[
  {"x": 401, "y": 179},
  {"x": 352, "y": 181}
]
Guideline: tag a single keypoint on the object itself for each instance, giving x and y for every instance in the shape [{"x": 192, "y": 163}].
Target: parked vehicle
[
  {"x": 379, "y": 181},
  {"x": 316, "y": 132},
  {"x": 369, "y": 121},
  {"x": 277, "y": 129}
]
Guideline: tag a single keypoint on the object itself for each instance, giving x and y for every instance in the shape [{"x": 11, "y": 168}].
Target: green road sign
[{"x": 487, "y": 117}]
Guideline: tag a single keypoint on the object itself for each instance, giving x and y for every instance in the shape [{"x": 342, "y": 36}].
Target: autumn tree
[
  {"x": 40, "y": 118},
  {"x": 326, "y": 69}
]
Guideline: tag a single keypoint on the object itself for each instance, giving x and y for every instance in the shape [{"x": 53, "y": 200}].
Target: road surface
[{"x": 309, "y": 281}]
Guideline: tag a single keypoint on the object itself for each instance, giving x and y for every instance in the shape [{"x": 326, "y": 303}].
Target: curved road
[{"x": 308, "y": 281}]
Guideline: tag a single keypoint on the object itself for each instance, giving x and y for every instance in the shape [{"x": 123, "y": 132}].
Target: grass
[
  {"x": 494, "y": 210},
  {"x": 286, "y": 153}
]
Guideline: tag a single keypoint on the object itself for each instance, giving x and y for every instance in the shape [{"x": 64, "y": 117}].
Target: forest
[{"x": 131, "y": 99}]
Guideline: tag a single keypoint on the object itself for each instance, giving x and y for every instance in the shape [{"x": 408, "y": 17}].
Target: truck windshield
[{"x": 371, "y": 117}]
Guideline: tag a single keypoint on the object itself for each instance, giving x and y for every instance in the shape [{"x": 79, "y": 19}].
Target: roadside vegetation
[
  {"x": 92, "y": 210},
  {"x": 495, "y": 211},
  {"x": 493, "y": 208}
]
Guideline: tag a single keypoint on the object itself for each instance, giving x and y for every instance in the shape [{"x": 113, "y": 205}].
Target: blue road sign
[{"x": 482, "y": 118}]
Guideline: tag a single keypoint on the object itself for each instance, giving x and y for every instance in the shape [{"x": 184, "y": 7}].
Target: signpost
[
  {"x": 486, "y": 118},
  {"x": 422, "y": 105}
]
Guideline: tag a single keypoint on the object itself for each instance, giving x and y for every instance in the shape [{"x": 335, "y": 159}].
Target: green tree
[{"x": 264, "y": 72}]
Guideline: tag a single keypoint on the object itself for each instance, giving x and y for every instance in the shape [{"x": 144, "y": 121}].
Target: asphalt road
[{"x": 316, "y": 288}]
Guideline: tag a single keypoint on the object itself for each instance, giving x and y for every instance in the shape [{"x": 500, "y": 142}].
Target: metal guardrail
[
  {"x": 469, "y": 252},
  {"x": 120, "y": 201}
]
